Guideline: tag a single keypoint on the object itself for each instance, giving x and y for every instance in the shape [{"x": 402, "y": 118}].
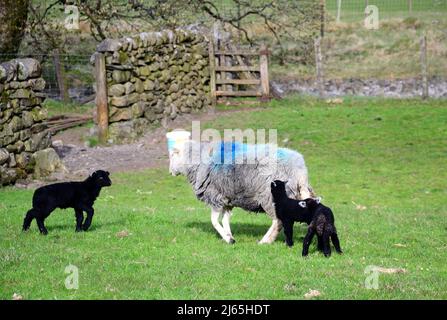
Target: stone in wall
[
  {"x": 153, "y": 76},
  {"x": 22, "y": 131}
]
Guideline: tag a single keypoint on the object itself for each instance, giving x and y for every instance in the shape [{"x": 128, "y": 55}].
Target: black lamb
[
  {"x": 288, "y": 210},
  {"x": 77, "y": 195},
  {"x": 323, "y": 224},
  {"x": 310, "y": 211}
]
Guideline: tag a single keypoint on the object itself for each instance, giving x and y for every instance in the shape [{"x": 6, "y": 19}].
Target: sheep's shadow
[{"x": 250, "y": 229}]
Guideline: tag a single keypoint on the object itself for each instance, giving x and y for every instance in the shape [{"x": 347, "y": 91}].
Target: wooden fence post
[
  {"x": 101, "y": 97},
  {"x": 212, "y": 58},
  {"x": 423, "y": 43},
  {"x": 319, "y": 67},
  {"x": 322, "y": 17},
  {"x": 264, "y": 72},
  {"x": 410, "y": 6},
  {"x": 60, "y": 76}
]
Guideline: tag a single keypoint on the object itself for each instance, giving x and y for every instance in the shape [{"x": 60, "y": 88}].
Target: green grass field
[{"x": 380, "y": 164}]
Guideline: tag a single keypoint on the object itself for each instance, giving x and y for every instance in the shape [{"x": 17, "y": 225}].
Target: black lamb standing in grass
[
  {"x": 77, "y": 195},
  {"x": 322, "y": 224},
  {"x": 310, "y": 211}
]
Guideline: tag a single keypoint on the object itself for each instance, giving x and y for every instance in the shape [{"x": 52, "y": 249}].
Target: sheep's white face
[{"x": 177, "y": 163}]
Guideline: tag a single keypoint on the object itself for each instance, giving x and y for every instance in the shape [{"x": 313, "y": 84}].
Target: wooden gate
[{"x": 230, "y": 69}]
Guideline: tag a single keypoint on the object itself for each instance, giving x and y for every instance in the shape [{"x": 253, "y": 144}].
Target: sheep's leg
[
  {"x": 30, "y": 215},
  {"x": 88, "y": 220},
  {"x": 303, "y": 186},
  {"x": 226, "y": 225},
  {"x": 79, "y": 218},
  {"x": 336, "y": 242},
  {"x": 272, "y": 232},
  {"x": 215, "y": 215},
  {"x": 307, "y": 241}
]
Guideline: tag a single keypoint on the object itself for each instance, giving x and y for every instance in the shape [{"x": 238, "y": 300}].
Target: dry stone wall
[
  {"x": 22, "y": 132},
  {"x": 154, "y": 76}
]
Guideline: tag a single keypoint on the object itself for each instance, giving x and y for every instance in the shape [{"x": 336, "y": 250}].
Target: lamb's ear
[{"x": 302, "y": 204}]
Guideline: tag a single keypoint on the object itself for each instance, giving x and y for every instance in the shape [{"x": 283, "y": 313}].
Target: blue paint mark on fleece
[
  {"x": 226, "y": 153},
  {"x": 283, "y": 154}
]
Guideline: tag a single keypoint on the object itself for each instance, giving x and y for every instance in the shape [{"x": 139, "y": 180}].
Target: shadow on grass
[
  {"x": 253, "y": 230},
  {"x": 94, "y": 226}
]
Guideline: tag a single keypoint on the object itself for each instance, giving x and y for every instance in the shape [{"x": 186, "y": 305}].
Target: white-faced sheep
[{"x": 220, "y": 179}]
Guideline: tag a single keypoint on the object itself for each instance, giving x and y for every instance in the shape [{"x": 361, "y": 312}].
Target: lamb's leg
[
  {"x": 215, "y": 215},
  {"x": 41, "y": 225},
  {"x": 307, "y": 241},
  {"x": 272, "y": 232},
  {"x": 88, "y": 220},
  {"x": 326, "y": 245},
  {"x": 288, "y": 231},
  {"x": 336, "y": 242},
  {"x": 320, "y": 243},
  {"x": 79, "y": 218},
  {"x": 30, "y": 215},
  {"x": 226, "y": 225}
]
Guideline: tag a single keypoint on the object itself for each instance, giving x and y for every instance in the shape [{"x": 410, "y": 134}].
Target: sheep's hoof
[
  {"x": 232, "y": 241},
  {"x": 78, "y": 230}
]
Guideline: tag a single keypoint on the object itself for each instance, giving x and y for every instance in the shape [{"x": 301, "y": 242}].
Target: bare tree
[{"x": 13, "y": 16}]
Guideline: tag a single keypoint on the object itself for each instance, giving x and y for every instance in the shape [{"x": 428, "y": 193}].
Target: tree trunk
[{"x": 13, "y": 16}]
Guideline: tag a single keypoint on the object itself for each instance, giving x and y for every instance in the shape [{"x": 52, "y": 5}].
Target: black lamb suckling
[
  {"x": 77, "y": 195},
  {"x": 288, "y": 210},
  {"x": 319, "y": 218}
]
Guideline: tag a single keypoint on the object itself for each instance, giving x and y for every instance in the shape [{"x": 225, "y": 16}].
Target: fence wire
[{"x": 76, "y": 74}]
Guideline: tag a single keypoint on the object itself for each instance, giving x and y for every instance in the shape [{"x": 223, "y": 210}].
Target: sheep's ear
[
  {"x": 318, "y": 200},
  {"x": 302, "y": 204}
]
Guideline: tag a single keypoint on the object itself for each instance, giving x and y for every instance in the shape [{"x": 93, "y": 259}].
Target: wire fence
[
  {"x": 68, "y": 77},
  {"x": 354, "y": 10},
  {"x": 350, "y": 49}
]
